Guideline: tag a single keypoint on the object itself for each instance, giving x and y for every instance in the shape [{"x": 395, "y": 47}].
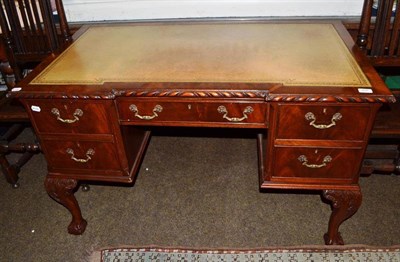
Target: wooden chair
[
  {"x": 379, "y": 35},
  {"x": 30, "y": 32},
  {"x": 379, "y": 38}
]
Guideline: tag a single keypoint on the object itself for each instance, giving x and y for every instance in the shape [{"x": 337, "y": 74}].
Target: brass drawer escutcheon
[
  {"x": 303, "y": 159},
  {"x": 78, "y": 112},
  {"x": 222, "y": 110},
  {"x": 89, "y": 153},
  {"x": 310, "y": 116},
  {"x": 156, "y": 109}
]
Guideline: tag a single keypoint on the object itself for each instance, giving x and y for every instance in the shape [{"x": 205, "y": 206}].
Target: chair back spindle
[
  {"x": 378, "y": 34},
  {"x": 31, "y": 32}
]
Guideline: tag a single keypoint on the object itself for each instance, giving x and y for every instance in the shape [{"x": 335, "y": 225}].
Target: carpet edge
[{"x": 288, "y": 248}]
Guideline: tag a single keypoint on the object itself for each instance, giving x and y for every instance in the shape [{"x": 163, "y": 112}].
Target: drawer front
[
  {"x": 234, "y": 113},
  {"x": 150, "y": 111},
  {"x": 88, "y": 155},
  {"x": 228, "y": 112},
  {"x": 292, "y": 164},
  {"x": 322, "y": 122},
  {"x": 69, "y": 116}
]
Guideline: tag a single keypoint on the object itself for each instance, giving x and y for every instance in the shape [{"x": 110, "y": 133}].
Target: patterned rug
[{"x": 292, "y": 254}]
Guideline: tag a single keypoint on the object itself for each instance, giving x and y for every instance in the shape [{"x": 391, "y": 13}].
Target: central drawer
[{"x": 192, "y": 112}]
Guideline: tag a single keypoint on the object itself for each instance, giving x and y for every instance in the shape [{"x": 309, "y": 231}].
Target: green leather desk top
[{"x": 289, "y": 53}]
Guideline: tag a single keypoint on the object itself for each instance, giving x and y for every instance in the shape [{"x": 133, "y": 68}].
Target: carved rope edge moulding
[
  {"x": 330, "y": 98},
  {"x": 210, "y": 94}
]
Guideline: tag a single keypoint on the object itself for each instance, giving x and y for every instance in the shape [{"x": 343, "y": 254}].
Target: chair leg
[
  {"x": 12, "y": 132},
  {"x": 397, "y": 162},
  {"x": 8, "y": 74},
  {"x": 23, "y": 159},
  {"x": 85, "y": 187},
  {"x": 9, "y": 171}
]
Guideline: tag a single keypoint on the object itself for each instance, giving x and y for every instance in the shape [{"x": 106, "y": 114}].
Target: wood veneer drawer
[
  {"x": 91, "y": 155},
  {"x": 310, "y": 165},
  {"x": 70, "y": 116},
  {"x": 322, "y": 122},
  {"x": 165, "y": 112}
]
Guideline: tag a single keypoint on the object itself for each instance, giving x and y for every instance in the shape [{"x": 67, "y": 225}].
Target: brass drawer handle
[
  {"x": 303, "y": 159},
  {"x": 78, "y": 112},
  {"x": 156, "y": 109},
  {"x": 310, "y": 116},
  {"x": 89, "y": 153},
  {"x": 246, "y": 111}
]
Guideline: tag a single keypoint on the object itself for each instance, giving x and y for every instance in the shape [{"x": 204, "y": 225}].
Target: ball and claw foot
[
  {"x": 77, "y": 228},
  {"x": 62, "y": 191},
  {"x": 338, "y": 240},
  {"x": 345, "y": 203}
]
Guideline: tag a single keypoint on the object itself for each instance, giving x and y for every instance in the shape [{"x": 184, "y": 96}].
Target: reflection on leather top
[{"x": 292, "y": 54}]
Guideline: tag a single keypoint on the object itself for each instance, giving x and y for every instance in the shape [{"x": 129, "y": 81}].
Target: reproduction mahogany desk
[{"x": 304, "y": 85}]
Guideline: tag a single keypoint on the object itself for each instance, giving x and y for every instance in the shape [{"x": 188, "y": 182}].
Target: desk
[{"x": 304, "y": 85}]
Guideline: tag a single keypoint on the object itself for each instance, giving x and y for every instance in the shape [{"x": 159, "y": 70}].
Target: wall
[{"x": 99, "y": 10}]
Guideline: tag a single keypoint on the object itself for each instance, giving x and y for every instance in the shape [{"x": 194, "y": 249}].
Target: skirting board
[{"x": 106, "y": 10}]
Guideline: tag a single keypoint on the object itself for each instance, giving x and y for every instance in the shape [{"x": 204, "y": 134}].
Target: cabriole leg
[
  {"x": 62, "y": 190},
  {"x": 345, "y": 203}
]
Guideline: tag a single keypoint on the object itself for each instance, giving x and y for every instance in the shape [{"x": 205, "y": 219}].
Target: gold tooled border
[{"x": 40, "y": 79}]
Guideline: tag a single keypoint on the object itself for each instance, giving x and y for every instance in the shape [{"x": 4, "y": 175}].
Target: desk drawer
[
  {"x": 91, "y": 155},
  {"x": 316, "y": 164},
  {"x": 70, "y": 116},
  {"x": 162, "y": 112},
  {"x": 322, "y": 122}
]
